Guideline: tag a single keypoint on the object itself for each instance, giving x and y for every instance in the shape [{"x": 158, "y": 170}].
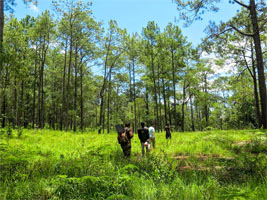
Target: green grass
[{"x": 49, "y": 164}]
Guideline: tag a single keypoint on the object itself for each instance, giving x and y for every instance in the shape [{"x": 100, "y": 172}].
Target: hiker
[
  {"x": 152, "y": 138},
  {"x": 124, "y": 139},
  {"x": 168, "y": 131},
  {"x": 143, "y": 137}
]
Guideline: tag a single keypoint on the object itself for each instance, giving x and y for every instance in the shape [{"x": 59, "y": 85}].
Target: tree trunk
[
  {"x": 256, "y": 96},
  {"x": 62, "y": 115},
  {"x": 192, "y": 112},
  {"x": 165, "y": 103},
  {"x": 109, "y": 94},
  {"x": 135, "y": 120},
  {"x": 147, "y": 102},
  {"x": 174, "y": 90},
  {"x": 69, "y": 75},
  {"x": 27, "y": 112},
  {"x": 42, "y": 99},
  {"x": 39, "y": 98},
  {"x": 102, "y": 91},
  {"x": 206, "y": 111},
  {"x": 34, "y": 89},
  {"x": 15, "y": 113},
  {"x": 260, "y": 65},
  {"x": 255, "y": 85},
  {"x": 155, "y": 93},
  {"x": 4, "y": 104},
  {"x": 81, "y": 106},
  {"x": 21, "y": 107},
  {"x": 183, "y": 104},
  {"x": 75, "y": 88},
  {"x": 160, "y": 120},
  {"x": 169, "y": 107}
]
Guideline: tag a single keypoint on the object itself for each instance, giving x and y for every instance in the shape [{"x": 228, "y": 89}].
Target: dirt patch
[
  {"x": 202, "y": 157},
  {"x": 241, "y": 143},
  {"x": 191, "y": 168}
]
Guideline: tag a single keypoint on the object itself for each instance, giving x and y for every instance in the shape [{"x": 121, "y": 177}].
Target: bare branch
[
  {"x": 241, "y": 32},
  {"x": 247, "y": 65},
  {"x": 242, "y": 4},
  {"x": 216, "y": 34}
]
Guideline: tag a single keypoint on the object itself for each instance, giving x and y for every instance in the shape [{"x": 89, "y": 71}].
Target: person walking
[
  {"x": 152, "y": 138},
  {"x": 168, "y": 131},
  {"x": 143, "y": 137},
  {"x": 124, "y": 139}
]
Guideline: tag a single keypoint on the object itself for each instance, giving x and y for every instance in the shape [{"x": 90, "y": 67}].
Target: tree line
[{"x": 70, "y": 73}]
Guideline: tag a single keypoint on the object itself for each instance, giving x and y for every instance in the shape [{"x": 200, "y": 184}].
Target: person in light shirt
[{"x": 152, "y": 138}]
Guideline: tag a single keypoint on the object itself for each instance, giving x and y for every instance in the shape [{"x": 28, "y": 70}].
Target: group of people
[{"x": 146, "y": 136}]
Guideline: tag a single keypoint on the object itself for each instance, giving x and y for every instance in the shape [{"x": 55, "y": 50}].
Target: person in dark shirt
[
  {"x": 143, "y": 135},
  {"x": 168, "y": 131}
]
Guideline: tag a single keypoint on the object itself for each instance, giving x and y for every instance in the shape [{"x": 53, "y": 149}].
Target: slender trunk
[
  {"x": 54, "y": 112},
  {"x": 206, "y": 111},
  {"x": 104, "y": 113},
  {"x": 164, "y": 100},
  {"x": 39, "y": 98},
  {"x": 4, "y": 104},
  {"x": 183, "y": 105},
  {"x": 81, "y": 106},
  {"x": 198, "y": 111},
  {"x": 155, "y": 92},
  {"x": 147, "y": 102},
  {"x": 130, "y": 84},
  {"x": 34, "y": 89},
  {"x": 108, "y": 106},
  {"x": 101, "y": 111},
  {"x": 96, "y": 113},
  {"x": 62, "y": 115},
  {"x": 255, "y": 85},
  {"x": 160, "y": 120},
  {"x": 68, "y": 83},
  {"x": 26, "y": 116},
  {"x": 256, "y": 96},
  {"x": 42, "y": 99},
  {"x": 174, "y": 90},
  {"x": 21, "y": 107},
  {"x": 260, "y": 65},
  {"x": 15, "y": 113},
  {"x": 75, "y": 88},
  {"x": 169, "y": 107},
  {"x": 135, "y": 120},
  {"x": 192, "y": 112},
  {"x": 102, "y": 92}
]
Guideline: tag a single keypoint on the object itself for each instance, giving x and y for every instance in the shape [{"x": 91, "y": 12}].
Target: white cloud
[{"x": 34, "y": 7}]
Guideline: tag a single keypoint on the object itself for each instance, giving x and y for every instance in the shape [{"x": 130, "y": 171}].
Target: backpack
[{"x": 123, "y": 138}]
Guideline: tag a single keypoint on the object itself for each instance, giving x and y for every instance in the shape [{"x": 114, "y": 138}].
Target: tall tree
[
  {"x": 177, "y": 46},
  {"x": 112, "y": 51},
  {"x": 257, "y": 17},
  {"x": 150, "y": 34}
]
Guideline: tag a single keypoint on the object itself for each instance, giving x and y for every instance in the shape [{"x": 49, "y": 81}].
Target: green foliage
[{"x": 201, "y": 165}]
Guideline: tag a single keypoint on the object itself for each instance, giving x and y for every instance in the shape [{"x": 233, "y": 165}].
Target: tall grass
[{"x": 49, "y": 164}]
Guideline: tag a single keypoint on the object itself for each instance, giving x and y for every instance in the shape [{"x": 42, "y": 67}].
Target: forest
[{"x": 69, "y": 73}]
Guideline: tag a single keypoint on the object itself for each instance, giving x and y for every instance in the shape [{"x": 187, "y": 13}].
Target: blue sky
[{"x": 134, "y": 14}]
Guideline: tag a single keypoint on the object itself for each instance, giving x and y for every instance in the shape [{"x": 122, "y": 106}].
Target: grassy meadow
[{"x": 45, "y": 164}]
